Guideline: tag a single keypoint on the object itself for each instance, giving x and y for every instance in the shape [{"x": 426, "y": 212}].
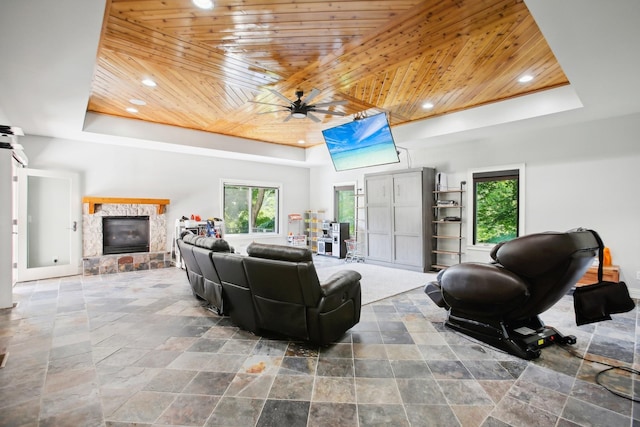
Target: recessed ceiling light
[
  {"x": 137, "y": 102},
  {"x": 526, "y": 78},
  {"x": 149, "y": 82},
  {"x": 427, "y": 105},
  {"x": 203, "y": 4},
  {"x": 301, "y": 141},
  {"x": 132, "y": 110}
]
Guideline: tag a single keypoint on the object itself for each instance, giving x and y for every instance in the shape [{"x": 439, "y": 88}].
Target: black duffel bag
[{"x": 596, "y": 302}]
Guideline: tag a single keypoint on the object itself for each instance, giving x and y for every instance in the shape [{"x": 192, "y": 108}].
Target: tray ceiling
[{"x": 388, "y": 56}]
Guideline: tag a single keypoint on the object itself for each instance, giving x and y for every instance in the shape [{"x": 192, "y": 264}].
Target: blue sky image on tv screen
[{"x": 361, "y": 143}]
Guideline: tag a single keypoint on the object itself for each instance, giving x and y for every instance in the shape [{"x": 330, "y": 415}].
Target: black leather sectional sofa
[{"x": 273, "y": 289}]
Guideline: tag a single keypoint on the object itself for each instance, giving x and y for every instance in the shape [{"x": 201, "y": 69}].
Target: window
[
  {"x": 251, "y": 209},
  {"x": 497, "y": 205},
  {"x": 345, "y": 205}
]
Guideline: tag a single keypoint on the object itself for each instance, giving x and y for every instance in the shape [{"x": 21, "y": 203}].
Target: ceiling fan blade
[
  {"x": 327, "y": 104},
  {"x": 268, "y": 103},
  {"x": 274, "y": 111},
  {"x": 281, "y": 96},
  {"x": 333, "y": 113},
  {"x": 314, "y": 92},
  {"x": 314, "y": 118},
  {"x": 288, "y": 118}
]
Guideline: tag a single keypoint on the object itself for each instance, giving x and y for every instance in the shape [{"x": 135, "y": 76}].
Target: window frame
[
  {"x": 255, "y": 184},
  {"x": 520, "y": 168}
]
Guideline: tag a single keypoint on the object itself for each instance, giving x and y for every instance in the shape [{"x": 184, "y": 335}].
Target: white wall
[
  {"x": 191, "y": 182},
  {"x": 584, "y": 175}
]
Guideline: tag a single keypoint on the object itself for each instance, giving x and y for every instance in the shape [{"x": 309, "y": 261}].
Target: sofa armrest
[{"x": 340, "y": 282}]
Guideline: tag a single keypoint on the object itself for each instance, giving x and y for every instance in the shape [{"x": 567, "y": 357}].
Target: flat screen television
[{"x": 361, "y": 143}]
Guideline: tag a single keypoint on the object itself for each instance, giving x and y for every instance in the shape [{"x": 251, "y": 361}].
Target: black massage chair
[{"x": 499, "y": 303}]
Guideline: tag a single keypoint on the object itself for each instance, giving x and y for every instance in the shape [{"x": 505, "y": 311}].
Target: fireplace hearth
[{"x": 125, "y": 234}]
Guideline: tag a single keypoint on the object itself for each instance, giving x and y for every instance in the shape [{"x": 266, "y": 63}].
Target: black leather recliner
[
  {"x": 499, "y": 303},
  {"x": 290, "y": 300},
  {"x": 236, "y": 294},
  {"x": 203, "y": 277}
]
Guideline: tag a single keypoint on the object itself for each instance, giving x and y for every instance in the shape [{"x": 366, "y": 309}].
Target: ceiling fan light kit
[{"x": 203, "y": 4}]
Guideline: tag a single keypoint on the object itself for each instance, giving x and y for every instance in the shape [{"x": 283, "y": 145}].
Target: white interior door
[{"x": 49, "y": 215}]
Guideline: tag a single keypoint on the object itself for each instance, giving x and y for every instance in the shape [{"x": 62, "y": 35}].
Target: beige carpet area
[{"x": 379, "y": 282}]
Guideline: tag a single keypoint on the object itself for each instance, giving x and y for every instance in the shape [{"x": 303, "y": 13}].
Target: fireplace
[
  {"x": 149, "y": 253},
  {"x": 125, "y": 234}
]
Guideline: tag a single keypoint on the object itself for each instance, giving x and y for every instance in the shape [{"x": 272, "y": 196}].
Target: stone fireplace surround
[{"x": 95, "y": 262}]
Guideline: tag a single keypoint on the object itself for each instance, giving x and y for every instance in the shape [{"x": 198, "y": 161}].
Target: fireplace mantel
[{"x": 93, "y": 201}]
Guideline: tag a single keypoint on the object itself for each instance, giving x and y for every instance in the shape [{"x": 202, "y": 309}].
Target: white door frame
[
  {"x": 72, "y": 253},
  {"x": 6, "y": 228}
]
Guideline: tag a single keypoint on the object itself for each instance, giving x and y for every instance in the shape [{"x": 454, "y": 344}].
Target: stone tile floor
[{"x": 138, "y": 349}]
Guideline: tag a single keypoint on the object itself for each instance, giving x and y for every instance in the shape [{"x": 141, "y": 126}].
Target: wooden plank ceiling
[{"x": 379, "y": 55}]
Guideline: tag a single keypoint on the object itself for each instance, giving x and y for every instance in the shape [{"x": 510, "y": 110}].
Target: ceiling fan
[{"x": 299, "y": 108}]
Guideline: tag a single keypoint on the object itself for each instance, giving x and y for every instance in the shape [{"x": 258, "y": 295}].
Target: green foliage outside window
[
  {"x": 496, "y": 210},
  {"x": 346, "y": 207},
  {"x": 250, "y": 209}
]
